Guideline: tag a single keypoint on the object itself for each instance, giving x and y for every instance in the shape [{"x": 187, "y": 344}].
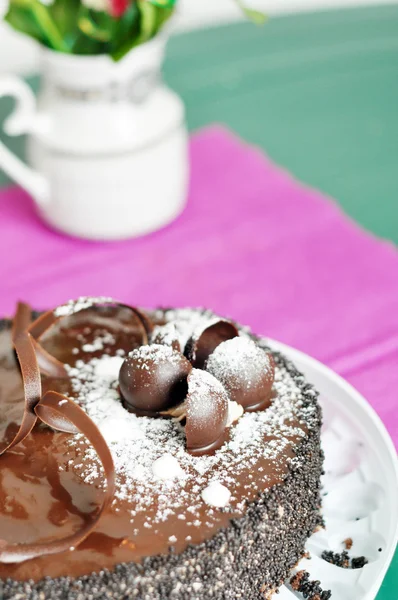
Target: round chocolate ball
[
  {"x": 246, "y": 371},
  {"x": 206, "y": 408},
  {"x": 206, "y": 339},
  {"x": 153, "y": 378}
]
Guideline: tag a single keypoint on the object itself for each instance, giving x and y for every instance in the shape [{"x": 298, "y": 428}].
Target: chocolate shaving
[
  {"x": 200, "y": 346},
  {"x": 56, "y": 411},
  {"x": 48, "y": 364},
  {"x": 26, "y": 354},
  {"x": 61, "y": 413}
]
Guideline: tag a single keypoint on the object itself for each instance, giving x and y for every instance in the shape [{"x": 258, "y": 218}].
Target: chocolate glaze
[{"x": 42, "y": 498}]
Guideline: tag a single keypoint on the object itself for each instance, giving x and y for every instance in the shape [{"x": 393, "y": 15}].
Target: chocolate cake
[{"x": 151, "y": 455}]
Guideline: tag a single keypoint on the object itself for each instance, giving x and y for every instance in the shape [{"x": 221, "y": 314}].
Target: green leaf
[
  {"x": 33, "y": 18},
  {"x": 163, "y": 3},
  {"x": 65, "y": 14},
  {"x": 96, "y": 25},
  {"x": 86, "y": 46},
  {"x": 21, "y": 20},
  {"x": 253, "y": 15},
  {"x": 89, "y": 28},
  {"x": 149, "y": 21},
  {"x": 128, "y": 30},
  {"x": 163, "y": 16},
  {"x": 256, "y": 16}
]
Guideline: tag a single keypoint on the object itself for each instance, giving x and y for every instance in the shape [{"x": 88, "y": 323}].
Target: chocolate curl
[
  {"x": 48, "y": 364},
  {"x": 204, "y": 342},
  {"x": 61, "y": 413},
  {"x": 33, "y": 359},
  {"x": 58, "y": 412},
  {"x": 146, "y": 321},
  {"x": 24, "y": 348}
]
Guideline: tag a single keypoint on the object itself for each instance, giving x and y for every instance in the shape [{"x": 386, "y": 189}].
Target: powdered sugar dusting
[
  {"x": 100, "y": 342},
  {"x": 137, "y": 443},
  {"x": 167, "y": 467},
  {"x": 74, "y": 306},
  {"x": 239, "y": 359},
  {"x": 206, "y": 389},
  {"x": 109, "y": 369},
  {"x": 165, "y": 334},
  {"x": 216, "y": 494},
  {"x": 154, "y": 354},
  {"x": 204, "y": 324},
  {"x": 187, "y": 321}
]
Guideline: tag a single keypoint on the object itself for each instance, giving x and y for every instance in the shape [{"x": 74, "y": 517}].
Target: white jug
[{"x": 107, "y": 143}]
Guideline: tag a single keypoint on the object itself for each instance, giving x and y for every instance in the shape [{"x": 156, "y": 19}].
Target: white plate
[{"x": 361, "y": 483}]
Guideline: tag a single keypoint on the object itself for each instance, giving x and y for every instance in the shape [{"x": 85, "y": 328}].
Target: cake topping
[
  {"x": 167, "y": 335},
  {"x": 206, "y": 413},
  {"x": 26, "y": 354},
  {"x": 61, "y": 413},
  {"x": 83, "y": 303},
  {"x": 153, "y": 379},
  {"x": 36, "y": 359},
  {"x": 167, "y": 467},
  {"x": 206, "y": 338},
  {"x": 110, "y": 368},
  {"x": 48, "y": 364},
  {"x": 246, "y": 371},
  {"x": 187, "y": 321},
  {"x": 154, "y": 456},
  {"x": 258, "y": 443},
  {"x": 216, "y": 495},
  {"x": 235, "y": 411}
]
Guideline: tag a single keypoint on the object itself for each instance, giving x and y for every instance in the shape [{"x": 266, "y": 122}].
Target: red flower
[{"x": 119, "y": 7}]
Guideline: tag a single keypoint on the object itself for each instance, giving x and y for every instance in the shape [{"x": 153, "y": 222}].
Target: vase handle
[{"x": 21, "y": 121}]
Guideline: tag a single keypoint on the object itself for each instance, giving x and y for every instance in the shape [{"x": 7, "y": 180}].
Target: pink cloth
[{"x": 253, "y": 244}]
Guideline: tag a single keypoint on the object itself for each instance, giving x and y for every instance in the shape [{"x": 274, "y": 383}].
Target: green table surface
[{"x": 318, "y": 92}]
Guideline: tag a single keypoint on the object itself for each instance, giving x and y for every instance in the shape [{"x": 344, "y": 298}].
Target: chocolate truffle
[
  {"x": 246, "y": 371},
  {"x": 206, "y": 339},
  {"x": 153, "y": 378},
  {"x": 206, "y": 408}
]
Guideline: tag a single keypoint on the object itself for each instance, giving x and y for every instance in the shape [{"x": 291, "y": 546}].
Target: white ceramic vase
[{"x": 107, "y": 144}]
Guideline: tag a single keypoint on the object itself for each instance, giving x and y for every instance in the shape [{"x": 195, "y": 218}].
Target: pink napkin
[{"x": 253, "y": 244}]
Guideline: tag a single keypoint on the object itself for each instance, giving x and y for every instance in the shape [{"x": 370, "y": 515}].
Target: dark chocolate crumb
[
  {"x": 296, "y": 580},
  {"x": 343, "y": 560},
  {"x": 348, "y": 543},
  {"x": 339, "y": 560},
  {"x": 309, "y": 589},
  {"x": 359, "y": 562}
]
